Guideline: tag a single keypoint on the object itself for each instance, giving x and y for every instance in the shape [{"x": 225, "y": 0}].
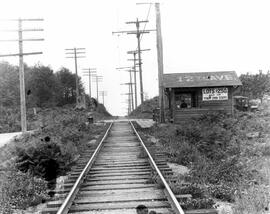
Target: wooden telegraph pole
[
  {"x": 130, "y": 85},
  {"x": 103, "y": 94},
  {"x": 138, "y": 33},
  {"x": 97, "y": 80},
  {"x": 76, "y": 53},
  {"x": 129, "y": 102},
  {"x": 134, "y": 69},
  {"x": 21, "y": 64},
  {"x": 130, "y": 94},
  {"x": 160, "y": 60},
  {"x": 135, "y": 78},
  {"x": 89, "y": 72},
  {"x": 160, "y": 63}
]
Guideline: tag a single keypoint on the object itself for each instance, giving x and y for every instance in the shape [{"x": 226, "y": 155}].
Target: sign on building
[{"x": 209, "y": 94}]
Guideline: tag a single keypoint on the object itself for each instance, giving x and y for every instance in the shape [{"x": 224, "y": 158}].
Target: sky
[{"x": 198, "y": 36}]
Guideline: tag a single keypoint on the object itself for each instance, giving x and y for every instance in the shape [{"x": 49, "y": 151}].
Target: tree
[
  {"x": 67, "y": 81},
  {"x": 9, "y": 85},
  {"x": 42, "y": 87},
  {"x": 255, "y": 86}
]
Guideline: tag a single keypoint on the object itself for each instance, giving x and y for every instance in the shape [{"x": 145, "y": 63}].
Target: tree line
[
  {"x": 255, "y": 86},
  {"x": 46, "y": 88},
  {"x": 43, "y": 86}
]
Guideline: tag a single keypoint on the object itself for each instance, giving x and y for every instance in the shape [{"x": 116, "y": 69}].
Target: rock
[
  {"x": 252, "y": 135},
  {"x": 162, "y": 125},
  {"x": 91, "y": 142},
  {"x": 60, "y": 182},
  {"x": 223, "y": 207},
  {"x": 100, "y": 123},
  {"x": 154, "y": 140},
  {"x": 76, "y": 158},
  {"x": 178, "y": 169},
  {"x": 96, "y": 136}
]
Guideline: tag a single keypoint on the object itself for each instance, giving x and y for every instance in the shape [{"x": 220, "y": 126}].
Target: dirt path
[{"x": 6, "y": 137}]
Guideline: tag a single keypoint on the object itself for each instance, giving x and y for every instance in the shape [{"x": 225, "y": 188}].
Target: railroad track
[{"x": 117, "y": 178}]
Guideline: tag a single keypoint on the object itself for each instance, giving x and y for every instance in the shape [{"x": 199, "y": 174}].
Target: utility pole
[
  {"x": 130, "y": 84},
  {"x": 97, "y": 80},
  {"x": 89, "y": 73},
  {"x": 160, "y": 60},
  {"x": 128, "y": 102},
  {"x": 134, "y": 70},
  {"x": 160, "y": 63},
  {"x": 135, "y": 78},
  {"x": 21, "y": 64},
  {"x": 130, "y": 94},
  {"x": 131, "y": 89},
  {"x": 103, "y": 94},
  {"x": 76, "y": 53},
  {"x": 138, "y": 33}
]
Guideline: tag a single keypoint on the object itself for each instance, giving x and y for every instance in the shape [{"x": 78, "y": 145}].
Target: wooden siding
[
  {"x": 182, "y": 115},
  {"x": 187, "y": 114}
]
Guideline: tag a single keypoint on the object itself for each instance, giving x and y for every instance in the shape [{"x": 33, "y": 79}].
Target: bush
[
  {"x": 10, "y": 119},
  {"x": 223, "y": 192},
  {"x": 224, "y": 171},
  {"x": 20, "y": 190},
  {"x": 190, "y": 204},
  {"x": 253, "y": 199},
  {"x": 195, "y": 190},
  {"x": 43, "y": 160}
]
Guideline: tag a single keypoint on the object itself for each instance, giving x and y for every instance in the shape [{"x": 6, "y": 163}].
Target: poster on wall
[{"x": 209, "y": 94}]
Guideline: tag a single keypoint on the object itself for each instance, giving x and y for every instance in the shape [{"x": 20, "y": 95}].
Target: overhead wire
[{"x": 149, "y": 9}]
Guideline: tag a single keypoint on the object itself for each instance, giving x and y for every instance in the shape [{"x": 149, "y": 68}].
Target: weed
[
  {"x": 19, "y": 190},
  {"x": 253, "y": 199}
]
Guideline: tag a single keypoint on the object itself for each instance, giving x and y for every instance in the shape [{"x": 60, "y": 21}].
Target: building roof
[{"x": 201, "y": 79}]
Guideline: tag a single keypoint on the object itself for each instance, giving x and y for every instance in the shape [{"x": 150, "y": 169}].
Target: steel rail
[
  {"x": 171, "y": 197},
  {"x": 72, "y": 194}
]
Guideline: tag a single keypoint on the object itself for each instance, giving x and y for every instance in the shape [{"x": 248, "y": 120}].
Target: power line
[
  {"x": 138, "y": 33},
  {"x": 135, "y": 71},
  {"x": 146, "y": 19},
  {"x": 160, "y": 61}
]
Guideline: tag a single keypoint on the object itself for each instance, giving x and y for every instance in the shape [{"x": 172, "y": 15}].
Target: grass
[
  {"x": 222, "y": 157},
  {"x": 253, "y": 199},
  {"x": 36, "y": 159}
]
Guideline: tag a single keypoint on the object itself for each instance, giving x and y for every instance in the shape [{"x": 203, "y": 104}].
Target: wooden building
[{"x": 193, "y": 94}]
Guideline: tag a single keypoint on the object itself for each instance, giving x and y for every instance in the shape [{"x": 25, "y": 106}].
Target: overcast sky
[{"x": 198, "y": 36}]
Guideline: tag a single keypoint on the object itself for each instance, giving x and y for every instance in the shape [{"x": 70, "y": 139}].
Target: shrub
[
  {"x": 223, "y": 192},
  {"x": 41, "y": 160},
  {"x": 223, "y": 171},
  {"x": 20, "y": 190},
  {"x": 253, "y": 199},
  {"x": 181, "y": 152},
  {"x": 198, "y": 203},
  {"x": 195, "y": 190}
]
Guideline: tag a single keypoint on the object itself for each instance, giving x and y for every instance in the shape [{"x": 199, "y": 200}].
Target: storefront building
[{"x": 193, "y": 94}]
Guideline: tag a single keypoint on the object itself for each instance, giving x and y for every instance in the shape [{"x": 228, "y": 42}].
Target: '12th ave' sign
[
  {"x": 212, "y": 77},
  {"x": 201, "y": 79}
]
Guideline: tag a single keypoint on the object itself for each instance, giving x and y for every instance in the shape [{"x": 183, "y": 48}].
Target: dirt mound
[{"x": 145, "y": 110}]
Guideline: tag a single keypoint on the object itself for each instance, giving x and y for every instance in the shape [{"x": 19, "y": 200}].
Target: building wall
[{"x": 202, "y": 107}]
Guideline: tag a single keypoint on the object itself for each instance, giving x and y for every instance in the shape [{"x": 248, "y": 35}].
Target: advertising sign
[{"x": 210, "y": 94}]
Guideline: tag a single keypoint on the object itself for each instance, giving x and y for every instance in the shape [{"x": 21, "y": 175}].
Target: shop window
[
  {"x": 186, "y": 100},
  {"x": 183, "y": 100}
]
